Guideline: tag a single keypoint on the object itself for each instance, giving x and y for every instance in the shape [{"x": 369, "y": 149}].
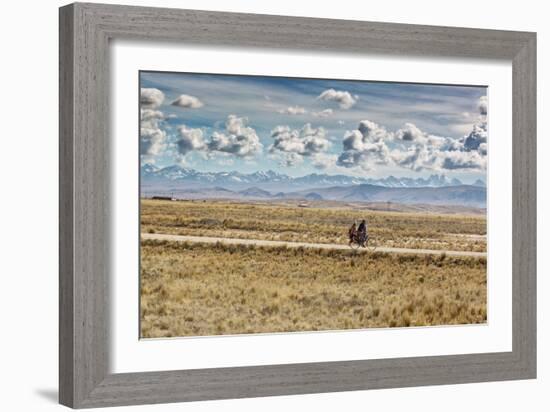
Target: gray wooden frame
[{"x": 85, "y": 31}]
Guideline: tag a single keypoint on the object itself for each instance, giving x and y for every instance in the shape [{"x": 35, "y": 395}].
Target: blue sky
[{"x": 300, "y": 126}]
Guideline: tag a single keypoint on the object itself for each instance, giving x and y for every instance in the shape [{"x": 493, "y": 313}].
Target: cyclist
[{"x": 362, "y": 231}]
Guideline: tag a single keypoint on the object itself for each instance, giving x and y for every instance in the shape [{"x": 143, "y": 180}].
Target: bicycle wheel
[
  {"x": 370, "y": 245},
  {"x": 355, "y": 245}
]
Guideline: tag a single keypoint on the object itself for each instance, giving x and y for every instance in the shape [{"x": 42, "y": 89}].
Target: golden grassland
[
  {"x": 314, "y": 224},
  {"x": 194, "y": 289}
]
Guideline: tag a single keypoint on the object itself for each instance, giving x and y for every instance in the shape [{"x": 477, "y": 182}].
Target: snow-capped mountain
[
  {"x": 177, "y": 176},
  {"x": 187, "y": 183},
  {"x": 479, "y": 183},
  {"x": 148, "y": 170}
]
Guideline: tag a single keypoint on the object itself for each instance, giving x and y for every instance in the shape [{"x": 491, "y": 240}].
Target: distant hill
[
  {"x": 314, "y": 196},
  {"x": 466, "y": 195},
  {"x": 255, "y": 192}
]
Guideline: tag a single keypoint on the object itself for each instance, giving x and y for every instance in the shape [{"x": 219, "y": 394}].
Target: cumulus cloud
[
  {"x": 151, "y": 98},
  {"x": 323, "y": 113},
  {"x": 482, "y": 105},
  {"x": 482, "y": 149},
  {"x": 292, "y": 110},
  {"x": 151, "y": 141},
  {"x": 344, "y": 99},
  {"x": 150, "y": 117},
  {"x": 305, "y": 142},
  {"x": 409, "y": 132},
  {"x": 365, "y": 147},
  {"x": 294, "y": 144},
  {"x": 237, "y": 138},
  {"x": 443, "y": 153},
  {"x": 189, "y": 140},
  {"x": 187, "y": 102},
  {"x": 452, "y": 160},
  {"x": 477, "y": 136},
  {"x": 410, "y": 147},
  {"x": 152, "y": 136},
  {"x": 370, "y": 155},
  {"x": 372, "y": 132}
]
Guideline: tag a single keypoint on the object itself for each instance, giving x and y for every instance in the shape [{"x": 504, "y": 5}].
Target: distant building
[{"x": 162, "y": 198}]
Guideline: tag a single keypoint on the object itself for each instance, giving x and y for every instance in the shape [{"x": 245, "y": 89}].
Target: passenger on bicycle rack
[{"x": 352, "y": 232}]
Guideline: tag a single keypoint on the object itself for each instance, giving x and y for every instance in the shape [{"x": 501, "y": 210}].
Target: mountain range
[
  {"x": 180, "y": 182},
  {"x": 180, "y": 176}
]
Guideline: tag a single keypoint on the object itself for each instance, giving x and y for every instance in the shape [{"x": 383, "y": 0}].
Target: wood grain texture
[
  {"x": 524, "y": 208},
  {"x": 85, "y": 31},
  {"x": 66, "y": 229}
]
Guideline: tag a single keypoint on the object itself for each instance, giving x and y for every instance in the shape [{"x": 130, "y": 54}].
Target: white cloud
[
  {"x": 150, "y": 117},
  {"x": 443, "y": 153},
  {"x": 477, "y": 136},
  {"x": 365, "y": 146},
  {"x": 152, "y": 137},
  {"x": 452, "y": 160},
  {"x": 372, "y": 132},
  {"x": 344, "y": 99},
  {"x": 151, "y": 97},
  {"x": 190, "y": 139},
  {"x": 293, "y": 144},
  {"x": 305, "y": 142},
  {"x": 151, "y": 141},
  {"x": 324, "y": 160},
  {"x": 237, "y": 139},
  {"x": 323, "y": 113},
  {"x": 409, "y": 132},
  {"x": 292, "y": 110},
  {"x": 371, "y": 154},
  {"x": 411, "y": 148},
  {"x": 292, "y": 159},
  {"x": 187, "y": 102},
  {"x": 482, "y": 105},
  {"x": 482, "y": 149}
]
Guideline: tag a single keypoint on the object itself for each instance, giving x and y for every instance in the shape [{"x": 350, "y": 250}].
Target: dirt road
[{"x": 257, "y": 242}]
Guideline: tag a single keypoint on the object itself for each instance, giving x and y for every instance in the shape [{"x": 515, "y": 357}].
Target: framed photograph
[{"x": 256, "y": 205}]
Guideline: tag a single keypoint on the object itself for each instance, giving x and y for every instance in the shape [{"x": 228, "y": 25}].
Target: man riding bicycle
[
  {"x": 358, "y": 234},
  {"x": 359, "y": 237},
  {"x": 362, "y": 233}
]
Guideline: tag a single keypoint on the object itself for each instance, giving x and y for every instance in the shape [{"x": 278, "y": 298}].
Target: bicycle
[{"x": 366, "y": 243}]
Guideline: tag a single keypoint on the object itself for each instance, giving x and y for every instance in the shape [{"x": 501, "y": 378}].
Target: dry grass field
[
  {"x": 198, "y": 289},
  {"x": 272, "y": 221}
]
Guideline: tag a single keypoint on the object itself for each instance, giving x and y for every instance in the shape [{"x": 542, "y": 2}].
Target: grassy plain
[
  {"x": 199, "y": 289},
  {"x": 272, "y": 221}
]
